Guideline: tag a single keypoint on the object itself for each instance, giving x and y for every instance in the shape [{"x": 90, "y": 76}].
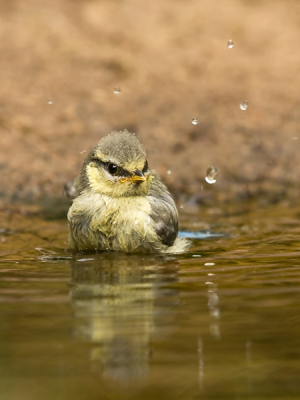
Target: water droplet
[
  {"x": 213, "y": 299},
  {"x": 215, "y": 313},
  {"x": 194, "y": 121},
  {"x": 230, "y": 44},
  {"x": 215, "y": 331},
  {"x": 83, "y": 151},
  {"x": 295, "y": 138},
  {"x": 50, "y": 101},
  {"x": 136, "y": 221},
  {"x": 181, "y": 206},
  {"x": 210, "y": 274},
  {"x": 169, "y": 172},
  {"x": 196, "y": 255},
  {"x": 211, "y": 175},
  {"x": 209, "y": 264},
  {"x": 117, "y": 90},
  {"x": 209, "y": 283},
  {"x": 244, "y": 105}
]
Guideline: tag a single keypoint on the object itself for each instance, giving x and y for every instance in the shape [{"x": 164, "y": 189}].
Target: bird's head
[{"x": 117, "y": 167}]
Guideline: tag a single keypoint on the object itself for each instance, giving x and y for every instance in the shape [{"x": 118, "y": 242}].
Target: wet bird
[{"x": 120, "y": 204}]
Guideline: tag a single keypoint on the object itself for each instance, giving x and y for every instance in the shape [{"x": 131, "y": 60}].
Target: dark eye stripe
[
  {"x": 146, "y": 168},
  {"x": 119, "y": 172}
]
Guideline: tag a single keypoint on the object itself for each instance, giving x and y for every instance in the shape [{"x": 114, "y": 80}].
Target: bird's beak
[{"x": 138, "y": 176}]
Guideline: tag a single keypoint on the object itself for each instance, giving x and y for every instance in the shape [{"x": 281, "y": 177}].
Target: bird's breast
[{"x": 122, "y": 216}]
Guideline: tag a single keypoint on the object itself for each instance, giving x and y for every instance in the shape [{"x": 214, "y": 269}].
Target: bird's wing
[
  {"x": 163, "y": 211},
  {"x": 71, "y": 189}
]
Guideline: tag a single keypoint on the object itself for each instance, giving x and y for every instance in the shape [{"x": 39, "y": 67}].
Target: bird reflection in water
[{"x": 114, "y": 297}]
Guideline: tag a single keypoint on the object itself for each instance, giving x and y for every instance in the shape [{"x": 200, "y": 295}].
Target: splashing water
[
  {"x": 230, "y": 44},
  {"x": 117, "y": 90},
  {"x": 244, "y": 105},
  {"x": 211, "y": 175},
  {"x": 194, "y": 121}
]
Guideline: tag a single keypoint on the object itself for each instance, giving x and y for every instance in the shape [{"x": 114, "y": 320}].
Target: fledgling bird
[{"x": 121, "y": 204}]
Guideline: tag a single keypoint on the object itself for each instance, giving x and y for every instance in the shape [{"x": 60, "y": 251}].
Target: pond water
[{"x": 220, "y": 322}]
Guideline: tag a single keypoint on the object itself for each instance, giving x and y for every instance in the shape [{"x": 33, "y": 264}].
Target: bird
[{"x": 120, "y": 204}]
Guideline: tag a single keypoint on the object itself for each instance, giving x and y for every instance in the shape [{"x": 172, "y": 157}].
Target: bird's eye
[{"x": 112, "y": 168}]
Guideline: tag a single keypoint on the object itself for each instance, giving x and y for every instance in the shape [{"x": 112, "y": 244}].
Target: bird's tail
[{"x": 180, "y": 246}]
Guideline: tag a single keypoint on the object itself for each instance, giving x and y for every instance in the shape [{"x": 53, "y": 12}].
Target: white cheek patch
[
  {"x": 93, "y": 176},
  {"x": 99, "y": 179}
]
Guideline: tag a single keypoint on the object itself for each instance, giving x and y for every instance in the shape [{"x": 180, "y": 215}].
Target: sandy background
[{"x": 171, "y": 62}]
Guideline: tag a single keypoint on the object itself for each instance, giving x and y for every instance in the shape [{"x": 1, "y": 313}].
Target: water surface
[{"x": 220, "y": 322}]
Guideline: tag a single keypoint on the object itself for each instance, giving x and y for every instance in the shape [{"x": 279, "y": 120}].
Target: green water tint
[{"x": 117, "y": 326}]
